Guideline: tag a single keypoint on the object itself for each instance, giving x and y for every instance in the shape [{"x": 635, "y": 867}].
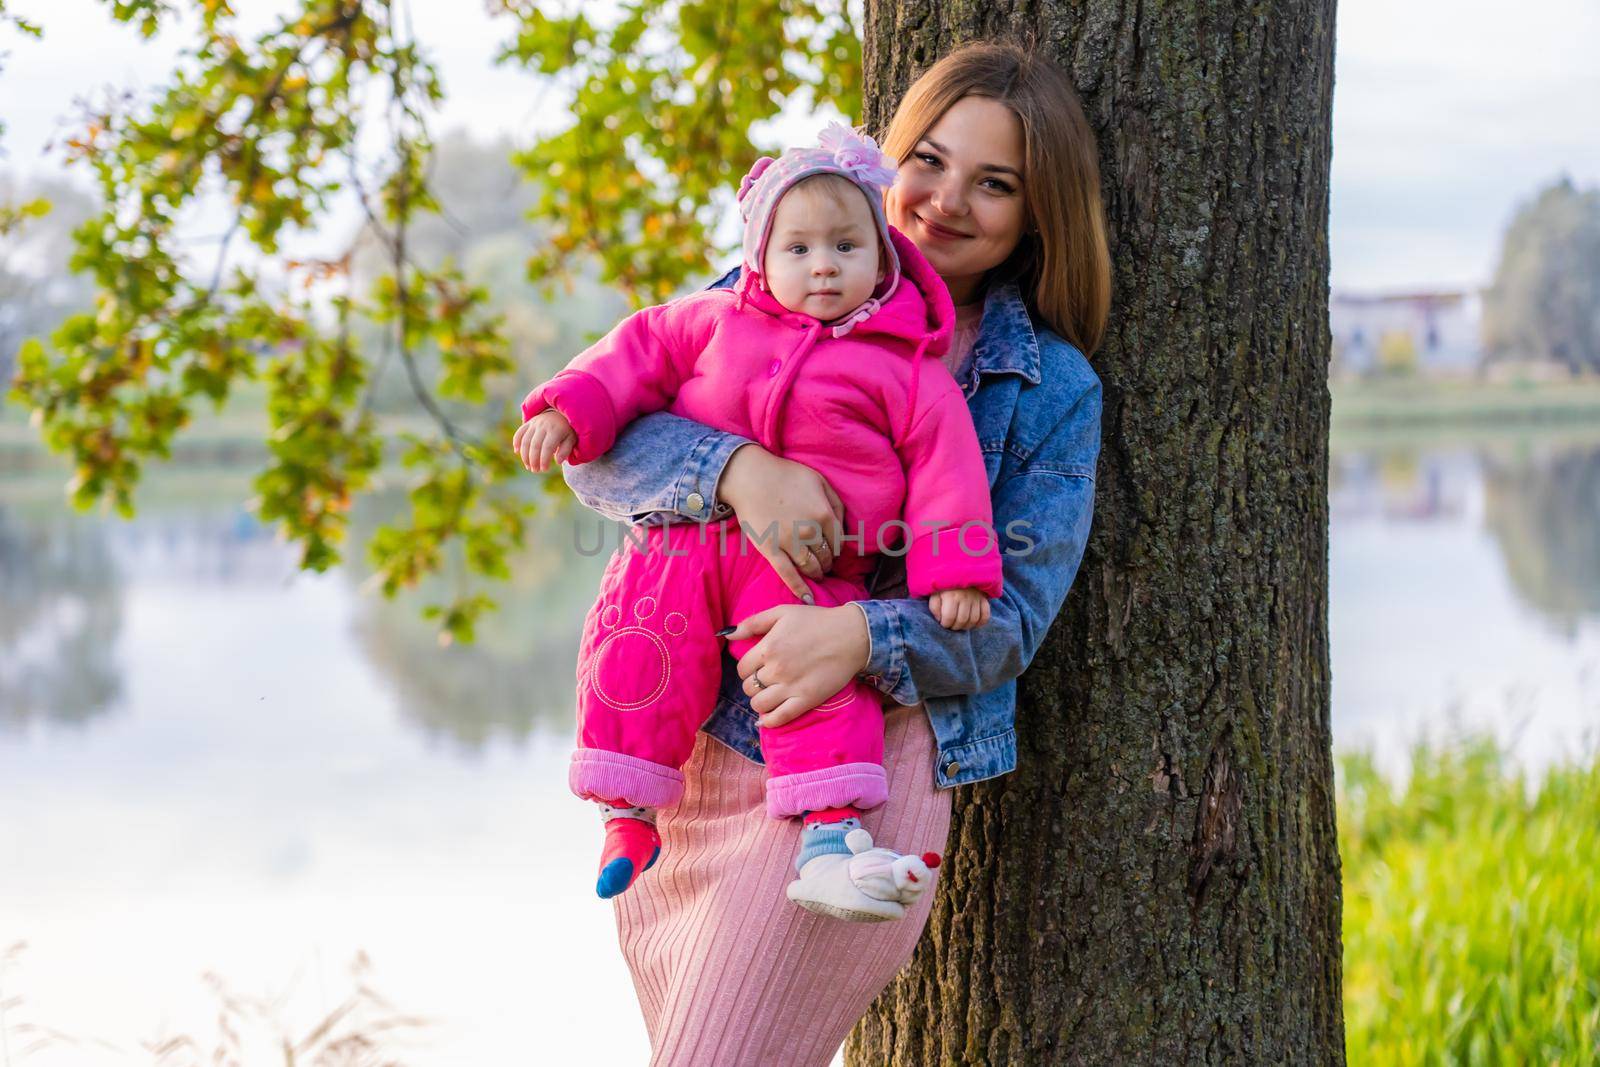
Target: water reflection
[
  {"x": 1540, "y": 504},
  {"x": 62, "y": 597},
  {"x": 259, "y": 800},
  {"x": 1462, "y": 594},
  {"x": 1544, "y": 512},
  {"x": 64, "y": 578},
  {"x": 519, "y": 673},
  {"x": 1403, "y": 485}
]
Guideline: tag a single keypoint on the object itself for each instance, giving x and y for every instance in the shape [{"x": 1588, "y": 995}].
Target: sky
[{"x": 1447, "y": 113}]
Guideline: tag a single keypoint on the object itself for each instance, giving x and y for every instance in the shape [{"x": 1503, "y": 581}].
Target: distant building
[{"x": 1430, "y": 334}]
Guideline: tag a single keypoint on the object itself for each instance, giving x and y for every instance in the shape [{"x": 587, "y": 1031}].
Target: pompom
[{"x": 756, "y": 171}]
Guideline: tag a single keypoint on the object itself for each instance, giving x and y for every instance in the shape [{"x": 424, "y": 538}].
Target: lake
[{"x": 212, "y": 764}]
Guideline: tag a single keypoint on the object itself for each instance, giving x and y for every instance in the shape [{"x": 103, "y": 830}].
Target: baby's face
[{"x": 822, "y": 255}]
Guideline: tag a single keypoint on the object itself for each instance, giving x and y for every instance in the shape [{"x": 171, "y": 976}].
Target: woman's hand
[
  {"x": 794, "y": 502},
  {"x": 806, "y": 656},
  {"x": 545, "y": 437}
]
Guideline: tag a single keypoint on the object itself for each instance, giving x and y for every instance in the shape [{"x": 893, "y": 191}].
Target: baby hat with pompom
[{"x": 839, "y": 150}]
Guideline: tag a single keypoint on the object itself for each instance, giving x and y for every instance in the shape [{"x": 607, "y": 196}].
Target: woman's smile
[{"x": 943, "y": 233}]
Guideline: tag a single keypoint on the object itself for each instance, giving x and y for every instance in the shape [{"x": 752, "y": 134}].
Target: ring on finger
[{"x": 755, "y": 676}]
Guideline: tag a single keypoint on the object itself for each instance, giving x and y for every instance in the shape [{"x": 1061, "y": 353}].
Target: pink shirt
[{"x": 969, "y": 319}]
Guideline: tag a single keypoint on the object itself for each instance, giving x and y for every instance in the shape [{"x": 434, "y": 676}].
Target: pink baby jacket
[{"x": 860, "y": 402}]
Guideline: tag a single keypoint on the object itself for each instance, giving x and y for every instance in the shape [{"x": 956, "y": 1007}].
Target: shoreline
[{"x": 1364, "y": 415}]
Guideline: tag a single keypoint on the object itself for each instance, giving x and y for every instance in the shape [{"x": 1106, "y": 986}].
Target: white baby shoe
[{"x": 868, "y": 885}]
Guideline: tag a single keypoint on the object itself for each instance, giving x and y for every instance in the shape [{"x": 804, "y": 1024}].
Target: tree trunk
[{"x": 1158, "y": 881}]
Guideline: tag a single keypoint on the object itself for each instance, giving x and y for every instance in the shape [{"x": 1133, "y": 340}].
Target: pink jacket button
[{"x": 772, "y": 368}]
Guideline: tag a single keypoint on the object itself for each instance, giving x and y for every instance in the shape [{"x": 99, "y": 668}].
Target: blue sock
[{"x": 821, "y": 838}]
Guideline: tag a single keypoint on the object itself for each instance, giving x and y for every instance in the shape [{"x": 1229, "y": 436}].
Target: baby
[{"x": 821, "y": 354}]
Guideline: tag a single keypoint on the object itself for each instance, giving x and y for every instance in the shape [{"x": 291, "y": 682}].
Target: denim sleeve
[
  {"x": 662, "y": 468},
  {"x": 1049, "y": 503}
]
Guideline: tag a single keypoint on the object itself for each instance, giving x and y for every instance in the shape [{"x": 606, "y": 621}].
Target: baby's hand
[
  {"x": 546, "y": 436},
  {"x": 960, "y": 609}
]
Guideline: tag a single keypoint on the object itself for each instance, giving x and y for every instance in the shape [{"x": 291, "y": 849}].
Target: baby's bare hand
[
  {"x": 960, "y": 609},
  {"x": 545, "y": 437}
]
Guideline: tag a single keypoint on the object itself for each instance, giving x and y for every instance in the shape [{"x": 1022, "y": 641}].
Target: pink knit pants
[
  {"x": 728, "y": 971},
  {"x": 649, "y": 665}
]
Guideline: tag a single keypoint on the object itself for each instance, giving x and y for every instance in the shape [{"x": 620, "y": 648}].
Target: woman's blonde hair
[{"x": 1064, "y": 264}]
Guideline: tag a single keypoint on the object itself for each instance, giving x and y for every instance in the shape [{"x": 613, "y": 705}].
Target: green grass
[
  {"x": 1488, "y": 404},
  {"x": 1471, "y": 910}
]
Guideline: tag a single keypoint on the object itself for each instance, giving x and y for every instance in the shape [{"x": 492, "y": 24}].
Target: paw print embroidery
[{"x": 632, "y": 665}]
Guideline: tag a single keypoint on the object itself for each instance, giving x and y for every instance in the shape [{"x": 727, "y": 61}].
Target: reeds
[
  {"x": 1471, "y": 910},
  {"x": 364, "y": 1030}
]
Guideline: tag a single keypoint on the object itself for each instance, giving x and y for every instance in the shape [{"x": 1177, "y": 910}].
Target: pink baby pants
[{"x": 650, "y": 663}]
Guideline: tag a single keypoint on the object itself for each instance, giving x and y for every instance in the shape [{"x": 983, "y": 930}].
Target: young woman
[{"x": 998, "y": 188}]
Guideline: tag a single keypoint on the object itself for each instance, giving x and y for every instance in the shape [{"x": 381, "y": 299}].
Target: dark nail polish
[{"x": 726, "y": 630}]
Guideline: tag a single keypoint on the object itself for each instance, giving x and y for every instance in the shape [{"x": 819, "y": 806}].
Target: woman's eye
[
  {"x": 930, "y": 160},
  {"x": 999, "y": 186}
]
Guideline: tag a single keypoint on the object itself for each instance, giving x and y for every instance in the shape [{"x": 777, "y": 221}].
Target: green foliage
[
  {"x": 32, "y": 29},
  {"x": 281, "y": 124},
  {"x": 13, "y": 216},
  {"x": 319, "y": 460},
  {"x": 664, "y": 96},
  {"x": 1471, "y": 925},
  {"x": 1545, "y": 301}
]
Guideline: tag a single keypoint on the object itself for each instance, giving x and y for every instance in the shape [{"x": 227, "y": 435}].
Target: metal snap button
[
  {"x": 951, "y": 768},
  {"x": 695, "y": 502}
]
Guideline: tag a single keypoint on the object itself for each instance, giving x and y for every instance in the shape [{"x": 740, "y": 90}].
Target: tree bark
[{"x": 1158, "y": 881}]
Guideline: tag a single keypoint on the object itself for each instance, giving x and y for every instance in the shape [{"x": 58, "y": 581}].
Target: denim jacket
[{"x": 1036, "y": 404}]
